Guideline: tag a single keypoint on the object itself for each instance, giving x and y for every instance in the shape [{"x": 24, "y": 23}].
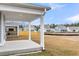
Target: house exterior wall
[
  {"x": 46, "y": 28},
  {"x": 73, "y": 29},
  {"x": 11, "y": 32},
  {"x": 60, "y": 28}
]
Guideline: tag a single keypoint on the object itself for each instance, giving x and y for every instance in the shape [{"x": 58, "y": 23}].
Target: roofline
[
  {"x": 47, "y": 8},
  {"x": 38, "y": 6},
  {"x": 28, "y": 5}
]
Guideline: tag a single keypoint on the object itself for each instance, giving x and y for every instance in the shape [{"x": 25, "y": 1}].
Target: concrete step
[{"x": 23, "y": 54}]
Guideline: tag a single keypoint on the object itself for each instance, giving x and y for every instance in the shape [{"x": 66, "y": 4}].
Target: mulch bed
[{"x": 63, "y": 34}]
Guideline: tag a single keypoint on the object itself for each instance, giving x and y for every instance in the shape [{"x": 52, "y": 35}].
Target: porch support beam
[
  {"x": 42, "y": 33},
  {"x": 29, "y": 30},
  {"x": 3, "y": 34}
]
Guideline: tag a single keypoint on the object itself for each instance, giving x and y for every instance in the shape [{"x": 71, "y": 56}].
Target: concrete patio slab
[{"x": 19, "y": 46}]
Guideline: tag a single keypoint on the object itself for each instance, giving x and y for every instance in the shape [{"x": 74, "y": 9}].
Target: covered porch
[
  {"x": 18, "y": 47},
  {"x": 21, "y": 12}
]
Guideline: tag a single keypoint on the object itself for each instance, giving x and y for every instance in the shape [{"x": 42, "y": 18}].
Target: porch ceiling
[
  {"x": 22, "y": 12},
  {"x": 15, "y": 16}
]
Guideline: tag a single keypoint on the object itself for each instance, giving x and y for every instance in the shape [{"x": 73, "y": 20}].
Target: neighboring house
[
  {"x": 33, "y": 28},
  {"x": 52, "y": 30},
  {"x": 26, "y": 28},
  {"x": 65, "y": 29},
  {"x": 21, "y": 12},
  {"x": 12, "y": 27},
  {"x": 46, "y": 28},
  {"x": 61, "y": 28},
  {"x": 11, "y": 30},
  {"x": 73, "y": 29}
]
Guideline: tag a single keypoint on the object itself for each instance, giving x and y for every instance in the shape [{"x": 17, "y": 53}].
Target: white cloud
[
  {"x": 55, "y": 6},
  {"x": 73, "y": 18}
]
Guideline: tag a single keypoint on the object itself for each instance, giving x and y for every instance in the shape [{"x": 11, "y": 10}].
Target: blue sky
[{"x": 61, "y": 13}]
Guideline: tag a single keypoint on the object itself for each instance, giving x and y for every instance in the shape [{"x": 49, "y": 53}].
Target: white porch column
[
  {"x": 3, "y": 34},
  {"x": 29, "y": 30},
  {"x": 17, "y": 30},
  {"x": 42, "y": 32}
]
